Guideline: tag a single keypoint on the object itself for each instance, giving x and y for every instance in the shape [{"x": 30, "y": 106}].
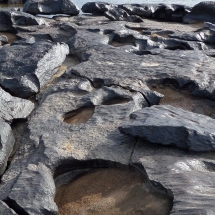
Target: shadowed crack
[{"x": 15, "y": 206}]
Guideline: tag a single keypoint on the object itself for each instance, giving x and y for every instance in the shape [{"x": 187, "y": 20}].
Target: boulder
[
  {"x": 11, "y": 17},
  {"x": 24, "y": 69},
  {"x": 13, "y": 107},
  {"x": 202, "y": 12},
  {"x": 7, "y": 142},
  {"x": 168, "y": 125},
  {"x": 118, "y": 14},
  {"x": 51, "y": 7},
  {"x": 96, "y": 7}
]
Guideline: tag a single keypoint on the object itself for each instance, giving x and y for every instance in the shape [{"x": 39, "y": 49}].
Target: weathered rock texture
[
  {"x": 202, "y": 12},
  {"x": 8, "y": 18},
  {"x": 188, "y": 175},
  {"x": 133, "y": 12},
  {"x": 7, "y": 142},
  {"x": 168, "y": 125},
  {"x": 51, "y": 7},
  {"x": 13, "y": 107},
  {"x": 25, "y": 69}
]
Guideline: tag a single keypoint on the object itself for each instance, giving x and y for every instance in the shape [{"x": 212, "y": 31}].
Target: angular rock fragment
[
  {"x": 6, "y": 144},
  {"x": 51, "y": 7},
  {"x": 3, "y": 39},
  {"x": 25, "y": 69},
  {"x": 10, "y": 18},
  {"x": 4, "y": 209},
  {"x": 168, "y": 125},
  {"x": 202, "y": 12},
  {"x": 13, "y": 107}
]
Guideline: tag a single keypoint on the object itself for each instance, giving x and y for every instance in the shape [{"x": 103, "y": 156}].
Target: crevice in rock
[
  {"x": 116, "y": 100},
  {"x": 118, "y": 41},
  {"x": 98, "y": 83},
  {"x": 15, "y": 206},
  {"x": 80, "y": 115}
]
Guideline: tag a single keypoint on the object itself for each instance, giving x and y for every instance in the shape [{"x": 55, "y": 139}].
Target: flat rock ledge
[{"x": 168, "y": 125}]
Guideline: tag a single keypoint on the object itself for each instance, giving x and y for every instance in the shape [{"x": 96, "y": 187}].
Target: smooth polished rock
[
  {"x": 96, "y": 7},
  {"x": 51, "y": 7},
  {"x": 24, "y": 69},
  {"x": 168, "y": 125}
]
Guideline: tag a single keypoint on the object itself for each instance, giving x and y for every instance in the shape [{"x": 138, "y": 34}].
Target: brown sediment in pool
[
  {"x": 108, "y": 192},
  {"x": 80, "y": 115},
  {"x": 11, "y": 37},
  {"x": 183, "y": 99}
]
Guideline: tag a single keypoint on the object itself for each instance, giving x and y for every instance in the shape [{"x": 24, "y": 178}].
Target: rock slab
[{"x": 168, "y": 125}]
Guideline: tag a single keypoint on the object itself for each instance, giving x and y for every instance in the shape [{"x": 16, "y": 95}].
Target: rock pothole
[
  {"x": 81, "y": 115},
  {"x": 10, "y": 36},
  {"x": 116, "y": 100},
  {"x": 118, "y": 41},
  {"x": 183, "y": 99},
  {"x": 110, "y": 191}
]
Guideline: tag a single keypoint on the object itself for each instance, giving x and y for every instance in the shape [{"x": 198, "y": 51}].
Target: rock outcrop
[
  {"x": 51, "y": 7},
  {"x": 168, "y": 125},
  {"x": 25, "y": 69},
  {"x": 202, "y": 12}
]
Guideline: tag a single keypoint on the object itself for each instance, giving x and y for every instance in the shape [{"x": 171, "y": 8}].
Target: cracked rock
[
  {"x": 25, "y": 69},
  {"x": 51, "y": 7},
  {"x": 168, "y": 125}
]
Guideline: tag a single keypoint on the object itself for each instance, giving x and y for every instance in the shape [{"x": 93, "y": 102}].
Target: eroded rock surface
[
  {"x": 167, "y": 125},
  {"x": 51, "y": 7},
  {"x": 202, "y": 12},
  {"x": 188, "y": 175},
  {"x": 25, "y": 69}
]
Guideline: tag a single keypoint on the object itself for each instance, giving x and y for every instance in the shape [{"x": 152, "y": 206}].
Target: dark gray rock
[
  {"x": 96, "y": 7},
  {"x": 118, "y": 14},
  {"x": 25, "y": 69},
  {"x": 13, "y": 107},
  {"x": 168, "y": 125},
  {"x": 139, "y": 10},
  {"x": 202, "y": 12},
  {"x": 53, "y": 146},
  {"x": 7, "y": 142},
  {"x": 10, "y": 18},
  {"x": 4, "y": 209},
  {"x": 189, "y": 175},
  {"x": 51, "y": 7}
]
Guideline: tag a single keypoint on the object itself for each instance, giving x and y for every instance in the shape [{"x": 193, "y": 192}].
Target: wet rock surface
[{"x": 86, "y": 75}]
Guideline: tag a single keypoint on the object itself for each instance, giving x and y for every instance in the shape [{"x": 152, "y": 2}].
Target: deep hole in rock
[
  {"x": 181, "y": 98},
  {"x": 81, "y": 115},
  {"x": 118, "y": 191},
  {"x": 118, "y": 41},
  {"x": 116, "y": 100}
]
